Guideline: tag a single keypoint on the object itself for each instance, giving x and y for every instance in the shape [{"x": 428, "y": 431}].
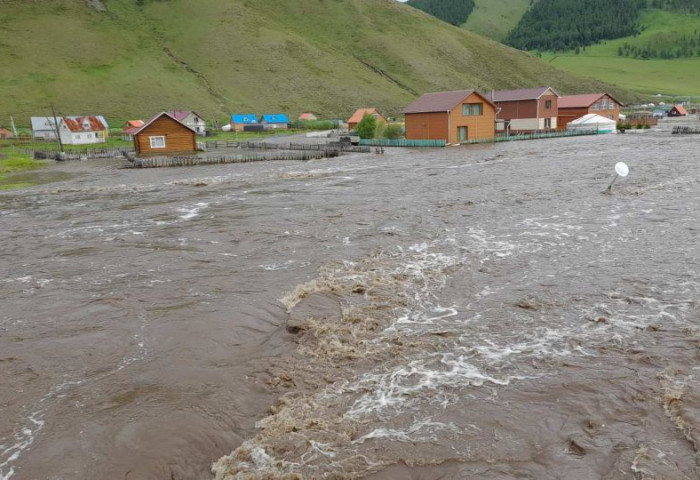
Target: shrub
[
  {"x": 312, "y": 124},
  {"x": 393, "y": 131},
  {"x": 367, "y": 128}
]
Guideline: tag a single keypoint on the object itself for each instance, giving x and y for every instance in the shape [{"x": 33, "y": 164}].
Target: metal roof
[
  {"x": 441, "y": 101},
  {"x": 361, "y": 112},
  {"x": 43, "y": 123},
  {"x": 84, "y": 124},
  {"x": 521, "y": 94},
  {"x": 156, "y": 117},
  {"x": 582, "y": 101},
  {"x": 275, "y": 118},
  {"x": 245, "y": 119}
]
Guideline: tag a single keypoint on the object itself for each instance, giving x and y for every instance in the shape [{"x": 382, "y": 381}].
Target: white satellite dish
[{"x": 622, "y": 169}]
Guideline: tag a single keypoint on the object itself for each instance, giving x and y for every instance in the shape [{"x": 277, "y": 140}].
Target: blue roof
[
  {"x": 246, "y": 119},
  {"x": 276, "y": 118}
]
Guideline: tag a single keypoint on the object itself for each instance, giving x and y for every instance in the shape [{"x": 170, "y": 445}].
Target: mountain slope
[
  {"x": 224, "y": 56},
  {"x": 495, "y": 18}
]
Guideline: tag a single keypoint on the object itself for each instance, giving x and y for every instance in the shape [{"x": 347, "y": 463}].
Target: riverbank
[{"x": 14, "y": 164}]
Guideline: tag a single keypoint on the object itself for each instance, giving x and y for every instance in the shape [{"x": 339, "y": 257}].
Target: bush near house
[
  {"x": 367, "y": 128},
  {"x": 393, "y": 131}
]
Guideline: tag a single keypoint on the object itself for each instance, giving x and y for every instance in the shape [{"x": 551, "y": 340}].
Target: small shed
[
  {"x": 165, "y": 135},
  {"x": 274, "y": 121},
  {"x": 592, "y": 123},
  {"x": 240, "y": 121},
  {"x": 44, "y": 128},
  {"x": 131, "y": 127},
  {"x": 307, "y": 117},
  {"x": 359, "y": 115},
  {"x": 5, "y": 133},
  {"x": 677, "y": 111}
]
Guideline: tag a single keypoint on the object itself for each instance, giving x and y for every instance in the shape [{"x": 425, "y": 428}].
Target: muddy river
[{"x": 480, "y": 312}]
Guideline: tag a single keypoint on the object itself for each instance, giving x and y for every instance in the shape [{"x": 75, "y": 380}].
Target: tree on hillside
[
  {"x": 367, "y": 126},
  {"x": 455, "y": 12}
]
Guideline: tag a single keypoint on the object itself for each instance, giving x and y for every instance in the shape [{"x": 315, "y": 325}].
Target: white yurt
[{"x": 592, "y": 122}]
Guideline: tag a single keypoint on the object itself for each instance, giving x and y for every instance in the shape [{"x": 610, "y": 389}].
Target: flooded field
[{"x": 469, "y": 312}]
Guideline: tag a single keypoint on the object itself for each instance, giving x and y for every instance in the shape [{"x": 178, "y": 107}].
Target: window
[
  {"x": 472, "y": 109},
  {"x": 548, "y": 122},
  {"x": 548, "y": 104},
  {"x": 157, "y": 142}
]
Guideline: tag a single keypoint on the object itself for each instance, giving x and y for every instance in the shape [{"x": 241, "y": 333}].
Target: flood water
[{"x": 479, "y": 312}]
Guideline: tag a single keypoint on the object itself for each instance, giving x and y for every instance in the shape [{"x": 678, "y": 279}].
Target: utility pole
[
  {"x": 14, "y": 129},
  {"x": 58, "y": 134}
]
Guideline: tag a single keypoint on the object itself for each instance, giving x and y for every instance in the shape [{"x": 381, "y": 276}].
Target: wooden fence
[
  {"x": 533, "y": 136},
  {"x": 189, "y": 161},
  {"x": 311, "y": 147},
  {"x": 78, "y": 154},
  {"x": 685, "y": 131}
]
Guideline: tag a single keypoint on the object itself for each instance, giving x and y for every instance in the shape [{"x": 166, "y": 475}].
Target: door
[{"x": 463, "y": 134}]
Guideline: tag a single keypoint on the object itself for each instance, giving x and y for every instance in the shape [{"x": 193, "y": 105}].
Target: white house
[
  {"x": 190, "y": 119},
  {"x": 43, "y": 128},
  {"x": 83, "y": 130}
]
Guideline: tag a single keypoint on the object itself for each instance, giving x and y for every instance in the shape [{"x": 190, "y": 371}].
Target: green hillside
[
  {"x": 222, "y": 56},
  {"x": 661, "y": 31},
  {"x": 495, "y": 18}
]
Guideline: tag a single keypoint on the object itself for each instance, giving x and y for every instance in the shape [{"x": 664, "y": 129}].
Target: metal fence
[{"x": 401, "y": 142}]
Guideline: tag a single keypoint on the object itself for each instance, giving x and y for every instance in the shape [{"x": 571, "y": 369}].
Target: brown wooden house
[
  {"x": 455, "y": 117},
  {"x": 164, "y": 135},
  {"x": 572, "y": 107},
  {"x": 525, "y": 110}
]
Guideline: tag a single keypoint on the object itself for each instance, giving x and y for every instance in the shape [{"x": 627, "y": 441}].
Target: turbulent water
[{"x": 473, "y": 312}]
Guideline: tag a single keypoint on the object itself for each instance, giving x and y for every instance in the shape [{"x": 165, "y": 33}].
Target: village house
[
  {"x": 572, "y": 107},
  {"x": 307, "y": 117},
  {"x": 275, "y": 121},
  {"x": 677, "y": 111},
  {"x": 239, "y": 122},
  {"x": 455, "y": 117},
  {"x": 163, "y": 135},
  {"x": 525, "y": 110},
  {"x": 360, "y": 114},
  {"x": 131, "y": 127},
  {"x": 191, "y": 119},
  {"x": 5, "y": 133},
  {"x": 43, "y": 128},
  {"x": 83, "y": 130}
]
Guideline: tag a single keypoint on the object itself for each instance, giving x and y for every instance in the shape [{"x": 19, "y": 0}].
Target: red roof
[
  {"x": 84, "y": 124},
  {"x": 307, "y": 116},
  {"x": 582, "y": 101},
  {"x": 132, "y": 126},
  {"x": 441, "y": 101},
  {"x": 361, "y": 112},
  {"x": 521, "y": 94},
  {"x": 680, "y": 109}
]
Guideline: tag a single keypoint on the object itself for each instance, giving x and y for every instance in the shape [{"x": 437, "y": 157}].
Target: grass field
[
  {"x": 677, "y": 77},
  {"x": 228, "y": 56},
  {"x": 495, "y": 18},
  {"x": 16, "y": 162}
]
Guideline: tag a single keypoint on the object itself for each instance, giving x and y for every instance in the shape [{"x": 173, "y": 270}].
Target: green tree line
[
  {"x": 455, "y": 12},
  {"x": 672, "y": 46},
  {"x": 559, "y": 25},
  {"x": 685, "y": 6}
]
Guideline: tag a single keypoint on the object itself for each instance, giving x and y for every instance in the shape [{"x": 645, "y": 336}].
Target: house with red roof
[
  {"x": 525, "y": 110},
  {"x": 131, "y": 127},
  {"x": 83, "y": 130},
  {"x": 359, "y": 115},
  {"x": 572, "y": 107},
  {"x": 678, "y": 111},
  {"x": 307, "y": 117},
  {"x": 456, "y": 117},
  {"x": 191, "y": 119}
]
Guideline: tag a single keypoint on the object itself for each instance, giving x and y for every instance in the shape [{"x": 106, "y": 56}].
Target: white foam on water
[
  {"x": 193, "y": 211},
  {"x": 410, "y": 434},
  {"x": 24, "y": 438}
]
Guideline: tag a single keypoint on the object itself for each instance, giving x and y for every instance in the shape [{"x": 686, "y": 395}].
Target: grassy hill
[
  {"x": 223, "y": 56},
  {"x": 678, "y": 77},
  {"x": 495, "y": 18}
]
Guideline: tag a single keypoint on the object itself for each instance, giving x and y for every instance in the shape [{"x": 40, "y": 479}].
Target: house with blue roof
[
  {"x": 240, "y": 121},
  {"x": 275, "y": 121}
]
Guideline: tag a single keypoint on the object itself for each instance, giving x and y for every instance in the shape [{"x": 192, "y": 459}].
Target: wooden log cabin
[
  {"x": 164, "y": 135},
  {"x": 455, "y": 117}
]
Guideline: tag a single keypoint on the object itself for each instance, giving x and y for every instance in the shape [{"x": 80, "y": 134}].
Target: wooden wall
[{"x": 178, "y": 138}]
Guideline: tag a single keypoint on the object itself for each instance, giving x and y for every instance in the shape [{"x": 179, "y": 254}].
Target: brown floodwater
[{"x": 481, "y": 312}]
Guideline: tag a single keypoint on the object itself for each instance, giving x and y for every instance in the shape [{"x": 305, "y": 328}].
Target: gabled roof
[
  {"x": 156, "y": 117},
  {"x": 275, "y": 118},
  {"x": 680, "y": 109},
  {"x": 180, "y": 115},
  {"x": 84, "y": 124},
  {"x": 521, "y": 94},
  {"x": 43, "y": 123},
  {"x": 307, "y": 116},
  {"x": 441, "y": 101},
  {"x": 245, "y": 119},
  {"x": 133, "y": 124},
  {"x": 361, "y": 112},
  {"x": 582, "y": 101}
]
